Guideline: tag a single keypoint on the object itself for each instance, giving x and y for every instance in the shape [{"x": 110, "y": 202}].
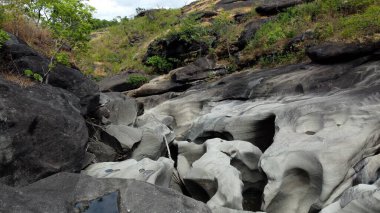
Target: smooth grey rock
[
  {"x": 66, "y": 192},
  {"x": 125, "y": 135},
  {"x": 156, "y": 136},
  {"x": 324, "y": 122},
  {"x": 224, "y": 170},
  {"x": 157, "y": 86},
  {"x": 42, "y": 132},
  {"x": 117, "y": 109},
  {"x": 155, "y": 172},
  {"x": 152, "y": 146},
  {"x": 361, "y": 198}
]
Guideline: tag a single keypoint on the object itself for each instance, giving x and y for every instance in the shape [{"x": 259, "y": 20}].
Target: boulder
[
  {"x": 218, "y": 172},
  {"x": 19, "y": 57},
  {"x": 330, "y": 53},
  {"x": 159, "y": 85},
  {"x": 234, "y": 4},
  {"x": 117, "y": 109},
  {"x": 201, "y": 69},
  {"x": 121, "y": 137},
  {"x": 102, "y": 152},
  {"x": 204, "y": 15},
  {"x": 155, "y": 172},
  {"x": 119, "y": 82},
  {"x": 42, "y": 132},
  {"x": 156, "y": 133},
  {"x": 276, "y": 6},
  {"x": 66, "y": 192}
]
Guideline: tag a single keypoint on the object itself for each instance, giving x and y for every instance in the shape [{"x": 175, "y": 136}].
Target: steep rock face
[
  {"x": 67, "y": 192},
  {"x": 20, "y": 57},
  {"x": 41, "y": 133}
]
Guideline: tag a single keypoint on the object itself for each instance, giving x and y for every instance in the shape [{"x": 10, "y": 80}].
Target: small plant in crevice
[
  {"x": 35, "y": 76},
  {"x": 137, "y": 80},
  {"x": 3, "y": 37}
]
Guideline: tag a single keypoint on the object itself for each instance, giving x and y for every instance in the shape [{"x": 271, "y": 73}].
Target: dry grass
[
  {"x": 36, "y": 36},
  {"x": 17, "y": 79}
]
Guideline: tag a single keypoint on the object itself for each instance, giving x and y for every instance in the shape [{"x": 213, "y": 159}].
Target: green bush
[
  {"x": 62, "y": 58},
  {"x": 137, "y": 80},
  {"x": 3, "y": 37},
  {"x": 160, "y": 64}
]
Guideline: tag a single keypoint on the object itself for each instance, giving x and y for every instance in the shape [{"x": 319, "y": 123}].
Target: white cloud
[{"x": 109, "y": 9}]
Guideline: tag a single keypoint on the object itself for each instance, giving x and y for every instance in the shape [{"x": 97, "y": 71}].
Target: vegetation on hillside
[
  {"x": 326, "y": 20},
  {"x": 66, "y": 31}
]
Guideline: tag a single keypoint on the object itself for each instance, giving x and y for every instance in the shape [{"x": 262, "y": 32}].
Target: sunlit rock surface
[{"x": 155, "y": 172}]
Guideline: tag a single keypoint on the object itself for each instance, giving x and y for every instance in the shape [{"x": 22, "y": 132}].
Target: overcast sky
[{"x": 109, "y": 9}]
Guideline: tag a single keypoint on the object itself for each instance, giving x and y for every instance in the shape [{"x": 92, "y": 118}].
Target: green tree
[{"x": 69, "y": 20}]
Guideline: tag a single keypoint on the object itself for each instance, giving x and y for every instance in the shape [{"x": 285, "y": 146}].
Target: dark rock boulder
[
  {"x": 102, "y": 152},
  {"x": 67, "y": 192},
  {"x": 330, "y": 53},
  {"x": 173, "y": 47},
  {"x": 119, "y": 82},
  {"x": 41, "y": 133},
  {"x": 276, "y": 6},
  {"x": 204, "y": 15},
  {"x": 249, "y": 32},
  {"x": 233, "y": 4},
  {"x": 20, "y": 57},
  {"x": 201, "y": 69}
]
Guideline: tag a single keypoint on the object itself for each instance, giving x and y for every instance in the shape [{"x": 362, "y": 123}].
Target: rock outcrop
[
  {"x": 330, "y": 53},
  {"x": 317, "y": 126},
  {"x": 42, "y": 132},
  {"x": 119, "y": 82},
  {"x": 277, "y": 6},
  {"x": 174, "y": 47},
  {"x": 20, "y": 57}
]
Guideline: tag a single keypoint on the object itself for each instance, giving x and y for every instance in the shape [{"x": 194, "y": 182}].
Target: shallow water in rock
[{"x": 107, "y": 203}]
